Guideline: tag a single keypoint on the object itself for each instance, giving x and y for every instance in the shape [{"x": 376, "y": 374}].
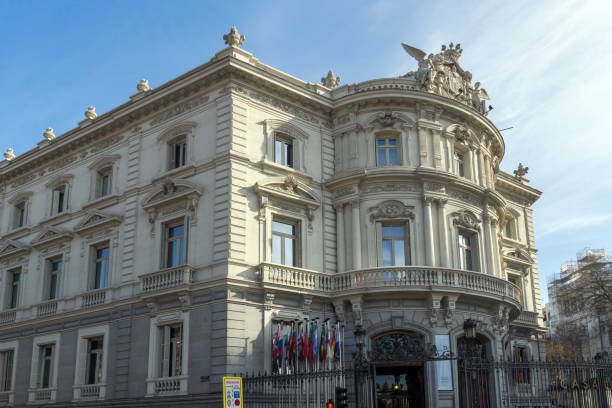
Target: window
[
  {"x": 104, "y": 182},
  {"x": 284, "y": 239},
  {"x": 20, "y": 214},
  {"x": 45, "y": 365},
  {"x": 54, "y": 279},
  {"x": 283, "y": 151},
  {"x": 60, "y": 200},
  {"x": 175, "y": 237},
  {"x": 510, "y": 229},
  {"x": 178, "y": 153},
  {"x": 518, "y": 281},
  {"x": 521, "y": 374},
  {"x": 393, "y": 245},
  {"x": 386, "y": 151},
  {"x": 14, "y": 283},
  {"x": 94, "y": 360},
  {"x": 171, "y": 350},
  {"x": 100, "y": 266},
  {"x": 466, "y": 247},
  {"x": 6, "y": 370},
  {"x": 460, "y": 160}
]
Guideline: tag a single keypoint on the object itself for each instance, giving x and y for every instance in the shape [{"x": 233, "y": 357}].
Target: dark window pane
[
  {"x": 386, "y": 253},
  {"x": 392, "y": 157},
  {"x": 382, "y": 157}
]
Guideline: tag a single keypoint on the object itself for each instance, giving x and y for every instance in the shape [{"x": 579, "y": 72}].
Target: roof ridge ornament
[
  {"x": 48, "y": 134},
  {"x": 143, "y": 85},
  {"x": 331, "y": 80},
  {"x": 233, "y": 38},
  {"x": 521, "y": 171},
  {"x": 9, "y": 154},
  {"x": 90, "y": 113},
  {"x": 441, "y": 74}
]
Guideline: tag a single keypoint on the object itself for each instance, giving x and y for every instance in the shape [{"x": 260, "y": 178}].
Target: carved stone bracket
[
  {"x": 339, "y": 309},
  {"x": 356, "y": 304},
  {"x": 435, "y": 301},
  {"x": 268, "y": 300},
  {"x": 451, "y": 301},
  {"x": 501, "y": 319},
  {"x": 306, "y": 303},
  {"x": 185, "y": 300}
]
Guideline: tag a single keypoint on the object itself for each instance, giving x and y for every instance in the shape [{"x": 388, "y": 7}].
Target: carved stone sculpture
[
  {"x": 233, "y": 39},
  {"x": 9, "y": 155},
  {"x": 143, "y": 86},
  {"x": 49, "y": 135},
  {"x": 90, "y": 113},
  {"x": 441, "y": 74},
  {"x": 387, "y": 119},
  {"x": 466, "y": 219},
  {"x": 521, "y": 171},
  {"x": 331, "y": 80}
]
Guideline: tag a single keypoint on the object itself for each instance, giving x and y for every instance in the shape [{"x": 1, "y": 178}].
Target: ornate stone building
[{"x": 150, "y": 250}]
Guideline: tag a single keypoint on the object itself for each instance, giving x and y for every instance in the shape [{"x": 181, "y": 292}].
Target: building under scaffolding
[{"x": 580, "y": 307}]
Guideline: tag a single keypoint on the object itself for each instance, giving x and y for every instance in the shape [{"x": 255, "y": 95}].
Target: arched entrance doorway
[
  {"x": 474, "y": 384},
  {"x": 398, "y": 359}
]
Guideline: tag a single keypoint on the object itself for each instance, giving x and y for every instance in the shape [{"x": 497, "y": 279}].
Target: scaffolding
[{"x": 580, "y": 309}]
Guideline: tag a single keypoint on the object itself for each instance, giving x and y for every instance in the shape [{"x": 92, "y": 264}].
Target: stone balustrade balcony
[
  {"x": 89, "y": 391},
  {"x": 167, "y": 385},
  {"x": 526, "y": 319},
  {"x": 167, "y": 280},
  {"x": 389, "y": 279}
]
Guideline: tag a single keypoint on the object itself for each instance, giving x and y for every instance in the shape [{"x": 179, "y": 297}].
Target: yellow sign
[{"x": 232, "y": 392}]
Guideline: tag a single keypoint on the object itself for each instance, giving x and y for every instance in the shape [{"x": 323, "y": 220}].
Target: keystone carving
[
  {"x": 391, "y": 209},
  {"x": 466, "y": 219},
  {"x": 387, "y": 119}
]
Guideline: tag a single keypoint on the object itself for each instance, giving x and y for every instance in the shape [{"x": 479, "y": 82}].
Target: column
[
  {"x": 444, "y": 257},
  {"x": 404, "y": 145},
  {"x": 338, "y": 153},
  {"x": 370, "y": 143},
  {"x": 340, "y": 252},
  {"x": 267, "y": 325},
  {"x": 495, "y": 247},
  {"x": 488, "y": 179},
  {"x": 472, "y": 168},
  {"x": 422, "y": 147},
  {"x": 483, "y": 175},
  {"x": 428, "y": 226},
  {"x": 488, "y": 246},
  {"x": 437, "y": 156},
  {"x": 356, "y": 236},
  {"x": 268, "y": 235}
]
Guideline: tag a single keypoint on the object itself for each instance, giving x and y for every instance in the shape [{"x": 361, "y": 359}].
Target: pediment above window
[
  {"x": 184, "y": 128},
  {"x": 51, "y": 235},
  {"x": 276, "y": 125},
  {"x": 518, "y": 255},
  {"x": 466, "y": 219},
  {"x": 104, "y": 161},
  {"x": 171, "y": 191},
  {"x": 19, "y": 197},
  {"x": 10, "y": 248},
  {"x": 95, "y": 220},
  {"x": 58, "y": 181},
  {"x": 391, "y": 210},
  {"x": 288, "y": 188}
]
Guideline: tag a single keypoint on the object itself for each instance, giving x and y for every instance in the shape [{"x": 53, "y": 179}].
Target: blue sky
[{"x": 545, "y": 64}]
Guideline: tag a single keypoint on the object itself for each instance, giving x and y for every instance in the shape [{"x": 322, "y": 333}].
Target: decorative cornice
[
  {"x": 10, "y": 248},
  {"x": 96, "y": 219},
  {"x": 51, "y": 235}
]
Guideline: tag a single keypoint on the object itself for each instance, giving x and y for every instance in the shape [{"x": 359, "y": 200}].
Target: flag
[
  {"x": 279, "y": 342},
  {"x": 332, "y": 345},
  {"x": 323, "y": 345},
  {"x": 315, "y": 342},
  {"x": 300, "y": 343},
  {"x": 312, "y": 340},
  {"x": 275, "y": 343},
  {"x": 328, "y": 341},
  {"x": 337, "y": 343}
]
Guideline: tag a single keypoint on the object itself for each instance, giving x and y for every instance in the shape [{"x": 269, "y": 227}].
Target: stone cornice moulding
[
  {"x": 282, "y": 126},
  {"x": 51, "y": 235},
  {"x": 96, "y": 219},
  {"x": 59, "y": 180},
  {"x": 10, "y": 248},
  {"x": 517, "y": 255},
  {"x": 20, "y": 196}
]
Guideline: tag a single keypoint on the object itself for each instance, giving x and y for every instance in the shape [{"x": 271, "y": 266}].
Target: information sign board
[{"x": 232, "y": 392}]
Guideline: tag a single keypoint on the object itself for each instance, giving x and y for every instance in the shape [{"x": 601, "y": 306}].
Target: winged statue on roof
[{"x": 442, "y": 74}]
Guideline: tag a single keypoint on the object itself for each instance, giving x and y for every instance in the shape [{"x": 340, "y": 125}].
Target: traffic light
[
  {"x": 330, "y": 404},
  {"x": 341, "y": 397}
]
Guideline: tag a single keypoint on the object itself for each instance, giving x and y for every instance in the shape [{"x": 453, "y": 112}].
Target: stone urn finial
[
  {"x": 49, "y": 135},
  {"x": 9, "y": 154},
  {"x": 233, "y": 38},
  {"x": 331, "y": 80},
  {"x": 90, "y": 113},
  {"x": 143, "y": 86}
]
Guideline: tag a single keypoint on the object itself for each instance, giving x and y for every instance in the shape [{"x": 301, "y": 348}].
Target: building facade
[
  {"x": 152, "y": 249},
  {"x": 579, "y": 315}
]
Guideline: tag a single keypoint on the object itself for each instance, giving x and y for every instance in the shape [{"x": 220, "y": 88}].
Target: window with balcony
[
  {"x": 174, "y": 244},
  {"x": 104, "y": 179},
  {"x": 94, "y": 369},
  {"x": 168, "y": 354},
  {"x": 90, "y": 373},
  {"x": 467, "y": 251},
  {"x": 284, "y": 243},
  {"x": 394, "y": 245},
  {"x": 53, "y": 279},
  {"x": 100, "y": 266},
  {"x": 7, "y": 361},
  {"x": 283, "y": 150},
  {"x": 44, "y": 369},
  {"x": 45, "y": 365},
  {"x": 13, "y": 289},
  {"x": 177, "y": 151},
  {"x": 387, "y": 151}
]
